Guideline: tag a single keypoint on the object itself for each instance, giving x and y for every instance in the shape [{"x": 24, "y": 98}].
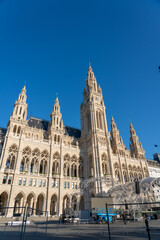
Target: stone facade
[{"x": 45, "y": 163}]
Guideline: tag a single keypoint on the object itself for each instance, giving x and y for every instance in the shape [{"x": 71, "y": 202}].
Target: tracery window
[
  {"x": 10, "y": 163},
  {"x": 74, "y": 170},
  {"x": 26, "y": 154},
  {"x": 34, "y": 166},
  {"x": 55, "y": 165},
  {"x": 44, "y": 162}
]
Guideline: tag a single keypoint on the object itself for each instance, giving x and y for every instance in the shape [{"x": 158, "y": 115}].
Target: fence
[
  {"x": 138, "y": 220},
  {"x": 129, "y": 224}
]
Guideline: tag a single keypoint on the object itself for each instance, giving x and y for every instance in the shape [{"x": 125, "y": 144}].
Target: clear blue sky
[{"x": 49, "y": 43}]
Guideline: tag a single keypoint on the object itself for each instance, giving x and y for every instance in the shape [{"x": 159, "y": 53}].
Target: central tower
[{"x": 94, "y": 134}]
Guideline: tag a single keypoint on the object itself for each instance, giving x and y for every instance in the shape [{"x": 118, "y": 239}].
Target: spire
[
  {"x": 20, "y": 106},
  {"x": 116, "y": 142},
  {"x": 56, "y": 116},
  {"x": 135, "y": 147},
  {"x": 91, "y": 80}
]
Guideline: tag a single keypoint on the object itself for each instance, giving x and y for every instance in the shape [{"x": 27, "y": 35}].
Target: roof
[
  {"x": 72, "y": 132},
  {"x": 38, "y": 123},
  {"x": 43, "y": 124}
]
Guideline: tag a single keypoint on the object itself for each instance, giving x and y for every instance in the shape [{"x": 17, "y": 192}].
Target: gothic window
[
  {"x": 55, "y": 165},
  {"x": 24, "y": 167},
  {"x": 35, "y": 161},
  {"x": 16, "y": 110},
  {"x": 20, "y": 111},
  {"x": 15, "y": 129},
  {"x": 67, "y": 171},
  {"x": 10, "y": 163},
  {"x": 23, "y": 114},
  {"x": 19, "y": 130},
  {"x": 44, "y": 162}
]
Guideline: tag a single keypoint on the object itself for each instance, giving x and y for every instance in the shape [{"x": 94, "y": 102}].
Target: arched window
[
  {"x": 20, "y": 111},
  {"x": 10, "y": 163},
  {"x": 24, "y": 114},
  {"x": 55, "y": 165},
  {"x": 19, "y": 130},
  {"x": 67, "y": 171},
  {"x": 16, "y": 110},
  {"x": 15, "y": 129},
  {"x": 35, "y": 161},
  {"x": 44, "y": 161}
]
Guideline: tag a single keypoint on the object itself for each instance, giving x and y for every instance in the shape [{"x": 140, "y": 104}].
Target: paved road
[{"x": 119, "y": 231}]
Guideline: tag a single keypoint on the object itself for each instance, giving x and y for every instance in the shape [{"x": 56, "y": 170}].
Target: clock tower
[{"x": 94, "y": 135}]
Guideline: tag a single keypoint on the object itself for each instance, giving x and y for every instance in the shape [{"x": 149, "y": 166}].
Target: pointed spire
[
  {"x": 113, "y": 124},
  {"x": 121, "y": 140},
  {"x": 20, "y": 106},
  {"x": 91, "y": 80},
  {"x": 56, "y": 115},
  {"x": 135, "y": 146}
]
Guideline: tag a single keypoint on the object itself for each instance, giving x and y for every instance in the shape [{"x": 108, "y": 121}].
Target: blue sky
[{"x": 49, "y": 44}]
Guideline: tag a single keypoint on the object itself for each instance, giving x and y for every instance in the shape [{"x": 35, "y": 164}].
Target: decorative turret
[
  {"x": 116, "y": 142},
  {"x": 20, "y": 107},
  {"x": 56, "y": 121},
  {"x": 17, "y": 120},
  {"x": 91, "y": 80},
  {"x": 135, "y": 147}
]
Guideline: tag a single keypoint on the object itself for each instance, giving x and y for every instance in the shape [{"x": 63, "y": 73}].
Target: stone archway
[
  {"x": 40, "y": 204},
  {"x": 66, "y": 203},
  {"x": 30, "y": 203},
  {"x": 3, "y": 203},
  {"x": 18, "y": 204},
  {"x": 53, "y": 207}
]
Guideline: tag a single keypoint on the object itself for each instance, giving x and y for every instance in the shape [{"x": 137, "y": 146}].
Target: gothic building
[{"x": 49, "y": 165}]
